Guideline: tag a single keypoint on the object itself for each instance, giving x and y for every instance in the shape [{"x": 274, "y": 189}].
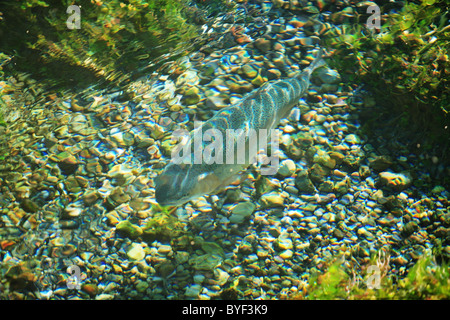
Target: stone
[
  {"x": 142, "y": 286},
  {"x": 287, "y": 168},
  {"x": 318, "y": 173},
  {"x": 206, "y": 262},
  {"x": 272, "y": 200},
  {"x": 90, "y": 288},
  {"x": 342, "y": 186},
  {"x": 136, "y": 252},
  {"x": 121, "y": 174},
  {"x": 262, "y": 44},
  {"x": 283, "y": 242},
  {"x": 380, "y": 163},
  {"x": 128, "y": 230},
  {"x": 287, "y": 254},
  {"x": 324, "y": 159},
  {"x": 241, "y": 211},
  {"x": 303, "y": 183},
  {"x": 249, "y": 71},
  {"x": 328, "y": 76},
  {"x": 352, "y": 139},
  {"x": 395, "y": 181},
  {"x": 191, "y": 96},
  {"x": 193, "y": 291}
]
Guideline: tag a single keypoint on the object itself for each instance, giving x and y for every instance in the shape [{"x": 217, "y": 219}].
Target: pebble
[
  {"x": 136, "y": 252},
  {"x": 395, "y": 181},
  {"x": 193, "y": 291},
  {"x": 283, "y": 242},
  {"x": 287, "y": 254},
  {"x": 328, "y": 76},
  {"x": 241, "y": 212},
  {"x": 272, "y": 200},
  {"x": 287, "y": 168}
]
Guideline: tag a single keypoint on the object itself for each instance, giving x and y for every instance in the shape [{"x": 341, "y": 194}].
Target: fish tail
[{"x": 318, "y": 62}]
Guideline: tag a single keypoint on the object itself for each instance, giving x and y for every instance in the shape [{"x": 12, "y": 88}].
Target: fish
[{"x": 188, "y": 175}]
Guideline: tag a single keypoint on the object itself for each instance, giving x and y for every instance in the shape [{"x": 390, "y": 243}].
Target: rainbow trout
[{"x": 236, "y": 130}]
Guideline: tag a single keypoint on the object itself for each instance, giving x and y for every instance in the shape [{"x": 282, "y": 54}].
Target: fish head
[{"x": 180, "y": 183}]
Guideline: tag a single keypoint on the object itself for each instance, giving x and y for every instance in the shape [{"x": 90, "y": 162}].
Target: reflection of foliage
[
  {"x": 425, "y": 280},
  {"x": 116, "y": 39},
  {"x": 406, "y": 64}
]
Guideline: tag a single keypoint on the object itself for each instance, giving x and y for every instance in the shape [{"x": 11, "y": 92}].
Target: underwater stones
[
  {"x": 352, "y": 139},
  {"x": 216, "y": 100},
  {"x": 328, "y": 76},
  {"x": 249, "y": 71},
  {"x": 326, "y": 186},
  {"x": 136, "y": 252},
  {"x": 29, "y": 205},
  {"x": 409, "y": 228},
  {"x": 122, "y": 139},
  {"x": 93, "y": 167},
  {"x": 380, "y": 163},
  {"x": 191, "y": 96},
  {"x": 189, "y": 77},
  {"x": 303, "y": 139},
  {"x": 287, "y": 168},
  {"x": 238, "y": 86},
  {"x": 206, "y": 262},
  {"x": 71, "y": 184},
  {"x": 273, "y": 74},
  {"x": 121, "y": 174},
  {"x": 272, "y": 200},
  {"x": 90, "y": 288},
  {"x": 128, "y": 230},
  {"x": 241, "y": 211},
  {"x": 283, "y": 242},
  {"x": 162, "y": 227},
  {"x": 323, "y": 158},
  {"x": 364, "y": 172},
  {"x": 193, "y": 291},
  {"x": 264, "y": 185},
  {"x": 90, "y": 197},
  {"x": 117, "y": 197},
  {"x": 67, "y": 162},
  {"x": 395, "y": 181},
  {"x": 263, "y": 44},
  {"x": 303, "y": 183},
  {"x": 317, "y": 173},
  {"x": 342, "y": 186}
]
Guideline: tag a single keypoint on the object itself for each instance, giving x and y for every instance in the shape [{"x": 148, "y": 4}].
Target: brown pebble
[{"x": 90, "y": 289}]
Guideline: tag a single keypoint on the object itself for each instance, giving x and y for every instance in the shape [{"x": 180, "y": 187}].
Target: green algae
[
  {"x": 425, "y": 280},
  {"x": 405, "y": 65},
  {"x": 162, "y": 226}
]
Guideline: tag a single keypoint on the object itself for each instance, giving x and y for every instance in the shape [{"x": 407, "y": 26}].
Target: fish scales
[{"x": 263, "y": 108}]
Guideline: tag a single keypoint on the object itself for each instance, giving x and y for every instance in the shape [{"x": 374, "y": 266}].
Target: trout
[{"x": 196, "y": 174}]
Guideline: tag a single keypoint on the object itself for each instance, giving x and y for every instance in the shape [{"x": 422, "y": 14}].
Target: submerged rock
[
  {"x": 395, "y": 181},
  {"x": 241, "y": 212},
  {"x": 303, "y": 183},
  {"x": 128, "y": 230}
]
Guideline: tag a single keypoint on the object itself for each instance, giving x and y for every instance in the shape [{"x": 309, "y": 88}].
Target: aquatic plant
[
  {"x": 406, "y": 66},
  {"x": 162, "y": 226},
  {"x": 425, "y": 280}
]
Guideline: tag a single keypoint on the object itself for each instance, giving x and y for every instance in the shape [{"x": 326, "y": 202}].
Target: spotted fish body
[{"x": 262, "y": 108}]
